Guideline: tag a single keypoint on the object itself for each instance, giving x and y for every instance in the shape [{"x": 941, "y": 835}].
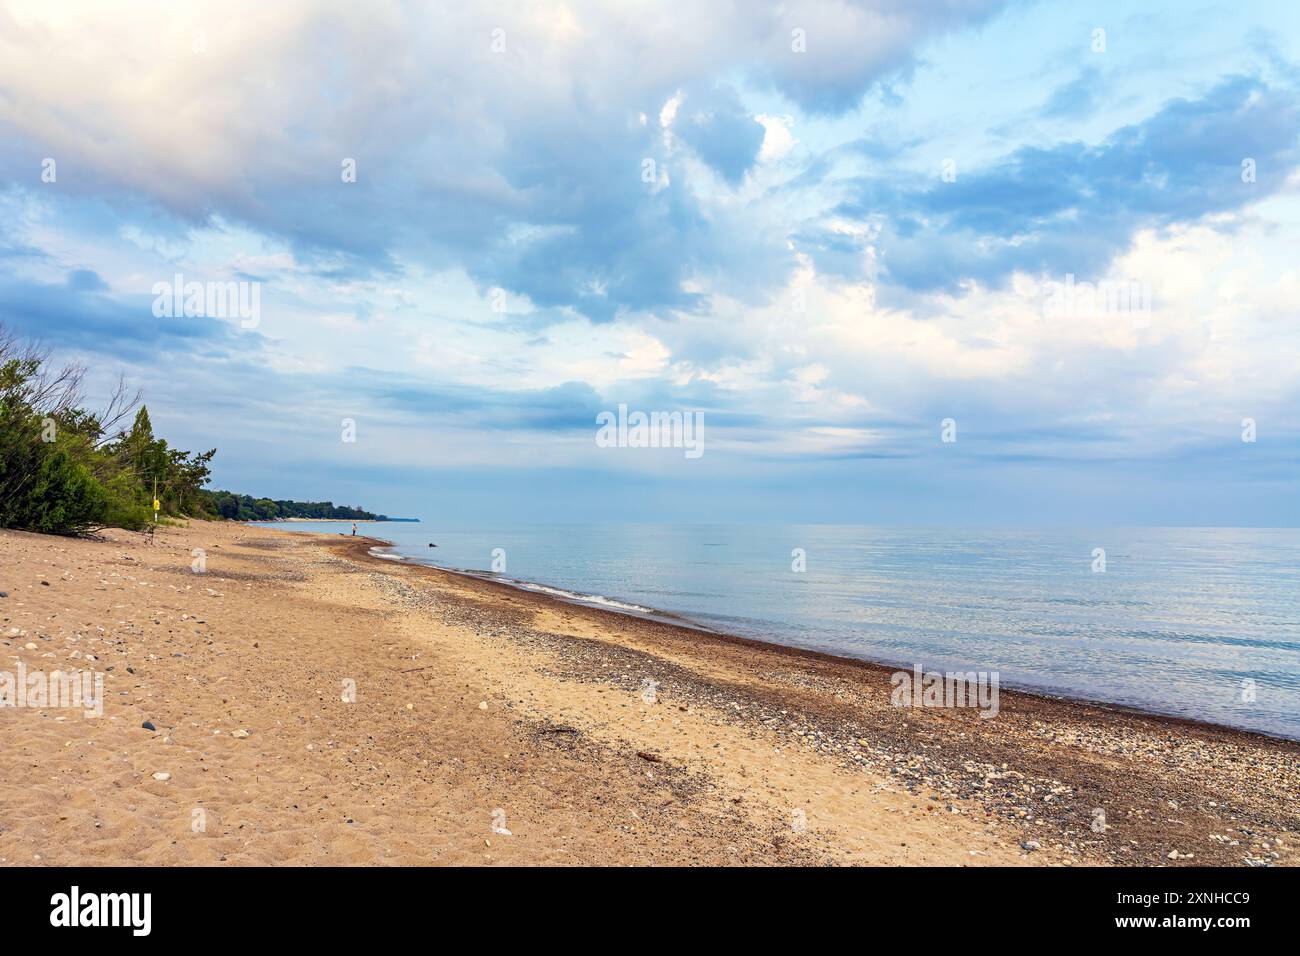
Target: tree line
[
  {"x": 69, "y": 469},
  {"x": 226, "y": 504}
]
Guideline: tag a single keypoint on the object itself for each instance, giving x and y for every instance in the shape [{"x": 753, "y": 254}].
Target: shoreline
[
  {"x": 1045, "y": 727},
  {"x": 673, "y": 619},
  {"x": 268, "y": 521},
  {"x": 599, "y": 737},
  {"x": 556, "y": 593}
]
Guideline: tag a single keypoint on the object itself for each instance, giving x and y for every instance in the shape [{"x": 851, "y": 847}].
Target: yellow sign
[{"x": 155, "y": 504}]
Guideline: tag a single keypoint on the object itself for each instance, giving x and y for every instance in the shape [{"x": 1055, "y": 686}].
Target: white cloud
[{"x": 778, "y": 140}]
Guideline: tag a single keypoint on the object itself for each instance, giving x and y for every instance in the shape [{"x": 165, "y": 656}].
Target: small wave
[
  {"x": 577, "y": 597},
  {"x": 598, "y": 599},
  {"x": 376, "y": 553}
]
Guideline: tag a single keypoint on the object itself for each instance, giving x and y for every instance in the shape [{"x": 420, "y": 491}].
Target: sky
[{"x": 953, "y": 262}]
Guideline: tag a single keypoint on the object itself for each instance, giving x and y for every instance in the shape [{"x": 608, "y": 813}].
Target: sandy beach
[{"x": 313, "y": 704}]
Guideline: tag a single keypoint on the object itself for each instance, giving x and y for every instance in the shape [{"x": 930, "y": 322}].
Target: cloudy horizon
[{"x": 913, "y": 263}]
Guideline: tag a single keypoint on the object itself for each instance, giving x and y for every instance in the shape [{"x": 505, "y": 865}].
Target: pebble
[
  {"x": 148, "y": 726},
  {"x": 162, "y": 775},
  {"x": 482, "y": 705},
  {"x": 240, "y": 734},
  {"x": 29, "y": 646}
]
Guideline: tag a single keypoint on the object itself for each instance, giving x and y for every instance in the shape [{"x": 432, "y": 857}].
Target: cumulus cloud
[
  {"x": 462, "y": 120},
  {"x": 717, "y": 126},
  {"x": 558, "y": 207},
  {"x": 1072, "y": 207}
]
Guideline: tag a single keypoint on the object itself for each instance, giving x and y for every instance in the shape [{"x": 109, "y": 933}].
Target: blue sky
[{"x": 827, "y": 226}]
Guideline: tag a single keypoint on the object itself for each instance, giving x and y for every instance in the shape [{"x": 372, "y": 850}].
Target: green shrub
[
  {"x": 63, "y": 498},
  {"x": 67, "y": 470},
  {"x": 126, "y": 507}
]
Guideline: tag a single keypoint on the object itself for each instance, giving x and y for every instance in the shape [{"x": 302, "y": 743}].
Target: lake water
[{"x": 1180, "y": 621}]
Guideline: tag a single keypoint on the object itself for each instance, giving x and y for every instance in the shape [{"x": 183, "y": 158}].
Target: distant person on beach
[{"x": 354, "y": 529}]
